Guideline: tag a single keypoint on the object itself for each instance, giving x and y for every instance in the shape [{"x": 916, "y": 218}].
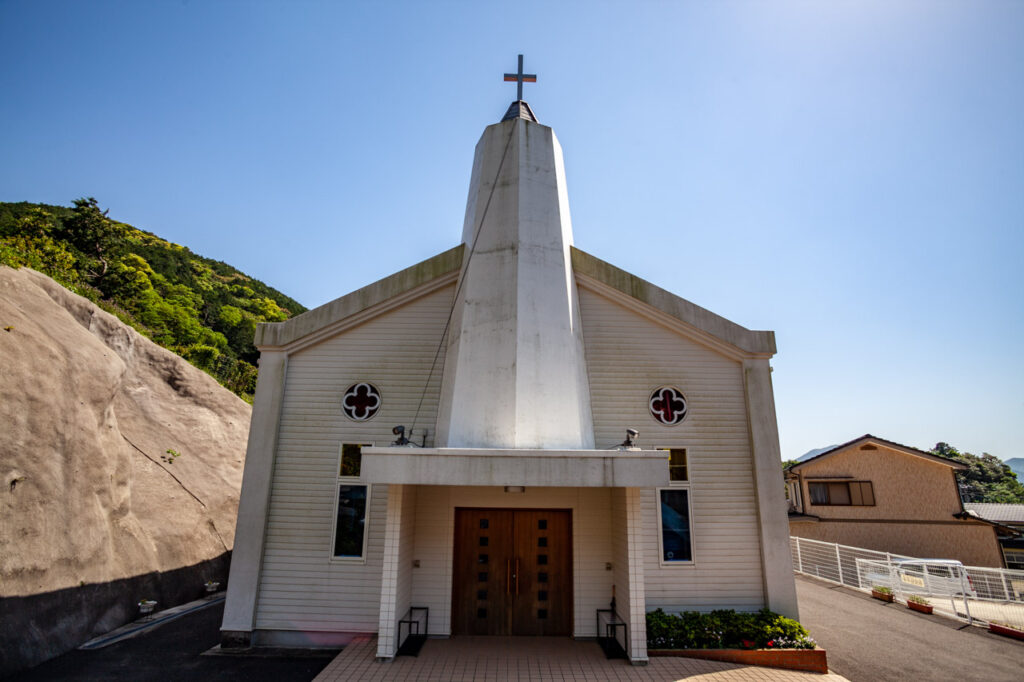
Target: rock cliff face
[{"x": 95, "y": 513}]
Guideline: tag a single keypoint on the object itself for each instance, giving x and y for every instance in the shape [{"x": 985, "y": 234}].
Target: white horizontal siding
[
  {"x": 628, "y": 356},
  {"x": 301, "y": 588}
]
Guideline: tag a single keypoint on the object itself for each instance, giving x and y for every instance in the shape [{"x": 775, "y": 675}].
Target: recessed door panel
[{"x": 512, "y": 572}]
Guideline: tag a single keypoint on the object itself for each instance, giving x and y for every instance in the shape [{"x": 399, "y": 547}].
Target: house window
[
  {"x": 353, "y": 498},
  {"x": 842, "y": 493},
  {"x": 674, "y": 523}
]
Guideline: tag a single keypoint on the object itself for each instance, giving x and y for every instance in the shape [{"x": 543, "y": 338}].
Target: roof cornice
[
  {"x": 713, "y": 328},
  {"x": 361, "y": 304}
]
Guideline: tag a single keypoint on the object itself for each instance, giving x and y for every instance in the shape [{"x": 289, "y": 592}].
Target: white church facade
[{"x": 516, "y": 363}]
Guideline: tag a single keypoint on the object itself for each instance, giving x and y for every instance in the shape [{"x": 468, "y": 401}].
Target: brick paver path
[{"x": 551, "y": 659}]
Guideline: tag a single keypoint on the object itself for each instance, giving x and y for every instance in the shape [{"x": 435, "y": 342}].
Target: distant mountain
[
  {"x": 814, "y": 453},
  {"x": 204, "y": 310},
  {"x": 1016, "y": 466}
]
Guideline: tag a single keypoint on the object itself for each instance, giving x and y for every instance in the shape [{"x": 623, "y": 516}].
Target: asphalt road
[
  {"x": 871, "y": 641},
  {"x": 171, "y": 653}
]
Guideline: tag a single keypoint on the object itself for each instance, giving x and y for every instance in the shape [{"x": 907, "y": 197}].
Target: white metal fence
[{"x": 970, "y": 593}]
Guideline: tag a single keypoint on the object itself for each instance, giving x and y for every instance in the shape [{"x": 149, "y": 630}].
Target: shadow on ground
[
  {"x": 172, "y": 652},
  {"x": 38, "y": 627}
]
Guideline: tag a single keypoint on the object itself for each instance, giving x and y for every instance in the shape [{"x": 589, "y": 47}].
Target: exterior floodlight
[{"x": 400, "y": 432}]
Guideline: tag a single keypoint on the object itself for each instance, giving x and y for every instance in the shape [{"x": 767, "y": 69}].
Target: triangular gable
[
  {"x": 705, "y": 325},
  {"x": 362, "y": 304},
  {"x": 869, "y": 439}
]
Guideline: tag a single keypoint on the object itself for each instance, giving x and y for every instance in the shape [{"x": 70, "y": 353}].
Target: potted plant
[
  {"x": 211, "y": 586},
  {"x": 882, "y": 592},
  {"x": 146, "y": 607},
  {"x": 1006, "y": 629},
  {"x": 916, "y": 603}
]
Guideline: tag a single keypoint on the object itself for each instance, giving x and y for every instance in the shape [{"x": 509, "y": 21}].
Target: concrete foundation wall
[{"x": 973, "y": 544}]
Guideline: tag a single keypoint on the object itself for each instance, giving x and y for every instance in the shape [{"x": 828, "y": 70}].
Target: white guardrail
[{"x": 969, "y": 593}]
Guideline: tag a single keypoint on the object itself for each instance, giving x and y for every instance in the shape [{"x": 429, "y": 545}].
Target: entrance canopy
[{"x": 468, "y": 466}]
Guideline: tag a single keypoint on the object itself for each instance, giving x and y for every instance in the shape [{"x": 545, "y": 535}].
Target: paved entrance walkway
[{"x": 552, "y": 659}]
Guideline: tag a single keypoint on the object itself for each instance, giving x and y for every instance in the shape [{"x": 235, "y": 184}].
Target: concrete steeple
[{"x": 515, "y": 375}]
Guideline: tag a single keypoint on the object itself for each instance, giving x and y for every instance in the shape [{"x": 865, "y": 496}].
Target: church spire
[{"x": 515, "y": 374}]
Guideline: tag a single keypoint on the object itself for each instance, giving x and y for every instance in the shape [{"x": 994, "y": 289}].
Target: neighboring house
[
  {"x": 881, "y": 495},
  {"x": 1010, "y": 518},
  {"x": 515, "y": 363}
]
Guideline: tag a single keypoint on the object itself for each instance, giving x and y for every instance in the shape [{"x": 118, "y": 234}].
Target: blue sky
[{"x": 848, "y": 174}]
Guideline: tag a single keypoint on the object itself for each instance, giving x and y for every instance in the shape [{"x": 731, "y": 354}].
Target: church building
[{"x": 505, "y": 439}]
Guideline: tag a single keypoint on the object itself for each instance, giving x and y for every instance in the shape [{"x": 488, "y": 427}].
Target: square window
[
  {"x": 481, "y": 594},
  {"x": 542, "y": 524},
  {"x": 484, "y": 523},
  {"x": 542, "y": 577},
  {"x": 677, "y": 472},
  {"x": 484, "y": 540},
  {"x": 351, "y": 459},
  {"x": 481, "y": 559},
  {"x": 542, "y": 542},
  {"x": 350, "y": 526},
  {"x": 542, "y": 559},
  {"x": 542, "y": 595},
  {"x": 675, "y": 525},
  {"x": 482, "y": 577}
]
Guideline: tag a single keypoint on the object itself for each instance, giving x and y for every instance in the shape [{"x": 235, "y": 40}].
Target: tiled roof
[{"x": 1001, "y": 513}]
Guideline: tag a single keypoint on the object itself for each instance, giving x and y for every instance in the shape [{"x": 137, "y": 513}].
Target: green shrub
[{"x": 725, "y": 629}]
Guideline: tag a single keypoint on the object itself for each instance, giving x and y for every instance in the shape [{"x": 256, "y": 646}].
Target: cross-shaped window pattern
[
  {"x": 668, "y": 405},
  {"x": 361, "y": 401}
]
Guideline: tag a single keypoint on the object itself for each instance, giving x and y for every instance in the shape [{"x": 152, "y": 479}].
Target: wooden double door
[{"x": 512, "y": 572}]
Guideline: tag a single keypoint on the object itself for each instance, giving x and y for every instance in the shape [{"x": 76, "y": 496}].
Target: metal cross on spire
[{"x": 520, "y": 78}]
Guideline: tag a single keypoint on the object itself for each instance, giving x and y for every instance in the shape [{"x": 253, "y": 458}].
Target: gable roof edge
[
  {"x": 747, "y": 340},
  {"x": 905, "y": 449},
  {"x": 439, "y": 267}
]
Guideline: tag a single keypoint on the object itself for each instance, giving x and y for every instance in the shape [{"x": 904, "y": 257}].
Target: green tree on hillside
[
  {"x": 99, "y": 239},
  {"x": 986, "y": 479},
  {"x": 204, "y": 310},
  {"x": 28, "y": 241}
]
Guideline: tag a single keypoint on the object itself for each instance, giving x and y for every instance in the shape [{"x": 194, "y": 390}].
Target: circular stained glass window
[
  {"x": 668, "y": 405},
  {"x": 361, "y": 402}
]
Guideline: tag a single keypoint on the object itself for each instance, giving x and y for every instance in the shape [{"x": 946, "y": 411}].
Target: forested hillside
[{"x": 202, "y": 309}]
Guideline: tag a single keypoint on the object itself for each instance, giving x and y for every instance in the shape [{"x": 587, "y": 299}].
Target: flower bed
[{"x": 763, "y": 638}]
